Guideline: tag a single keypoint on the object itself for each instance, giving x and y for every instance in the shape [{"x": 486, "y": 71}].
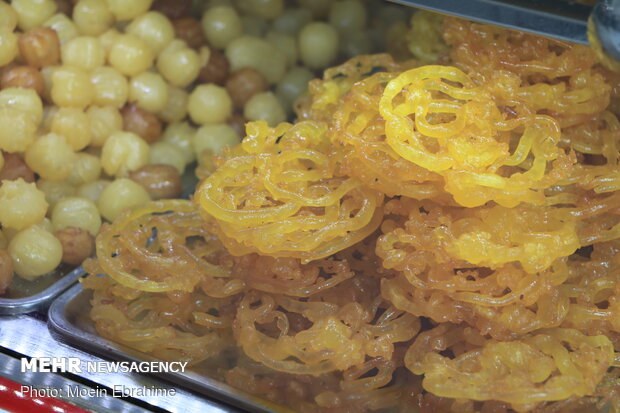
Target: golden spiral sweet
[{"x": 440, "y": 238}]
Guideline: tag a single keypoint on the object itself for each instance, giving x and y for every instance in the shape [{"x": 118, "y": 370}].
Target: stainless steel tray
[
  {"x": 68, "y": 322},
  {"x": 27, "y": 296},
  {"x": 24, "y": 296},
  {"x": 561, "y": 19},
  {"x": 25, "y": 336},
  {"x": 11, "y": 369}
]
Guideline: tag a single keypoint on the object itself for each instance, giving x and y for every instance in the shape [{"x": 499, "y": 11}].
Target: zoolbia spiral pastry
[
  {"x": 325, "y": 94},
  {"x": 531, "y": 74},
  {"x": 322, "y": 337},
  {"x": 147, "y": 249},
  {"x": 172, "y": 326},
  {"x": 281, "y": 197},
  {"x": 553, "y": 364},
  {"x": 359, "y": 129},
  {"x": 440, "y": 238},
  {"x": 436, "y": 117}
]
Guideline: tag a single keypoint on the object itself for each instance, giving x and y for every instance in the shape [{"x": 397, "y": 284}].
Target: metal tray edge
[
  {"x": 42, "y": 299},
  {"x": 64, "y": 331},
  {"x": 564, "y": 20}
]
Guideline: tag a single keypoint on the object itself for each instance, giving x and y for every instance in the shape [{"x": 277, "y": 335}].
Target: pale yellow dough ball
[
  {"x": 74, "y": 125},
  {"x": 32, "y": 13},
  {"x": 128, "y": 9},
  {"x": 179, "y": 64},
  {"x": 181, "y": 135},
  {"x": 76, "y": 212},
  {"x": 35, "y": 252},
  {"x": 8, "y": 46},
  {"x": 214, "y": 138},
  {"x": 167, "y": 153},
  {"x": 124, "y": 152},
  {"x": 64, "y": 27},
  {"x": 149, "y": 90},
  {"x": 318, "y": 45},
  {"x": 221, "y": 25},
  {"x": 51, "y": 157},
  {"x": 259, "y": 54},
  {"x": 55, "y": 191},
  {"x": 17, "y": 129},
  {"x": 175, "y": 108},
  {"x": 22, "y": 204},
  {"x": 92, "y": 17},
  {"x": 8, "y": 17},
  {"x": 154, "y": 28},
  {"x": 130, "y": 55},
  {"x": 86, "y": 168},
  {"x": 104, "y": 121},
  {"x": 264, "y": 106},
  {"x": 92, "y": 190},
  {"x": 71, "y": 86},
  {"x": 110, "y": 87},
  {"x": 22, "y": 99},
  {"x": 85, "y": 52},
  {"x": 209, "y": 104},
  {"x": 120, "y": 195}
]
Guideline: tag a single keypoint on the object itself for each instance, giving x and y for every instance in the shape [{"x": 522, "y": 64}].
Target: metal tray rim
[
  {"x": 13, "y": 306},
  {"x": 63, "y": 330}
]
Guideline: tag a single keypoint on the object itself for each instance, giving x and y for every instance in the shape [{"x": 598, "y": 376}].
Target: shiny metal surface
[
  {"x": 560, "y": 19},
  {"x": 68, "y": 321},
  {"x": 30, "y": 337},
  {"x": 39, "y": 300},
  {"x": 27, "y": 296},
  {"x": 10, "y": 368},
  {"x": 606, "y": 19}
]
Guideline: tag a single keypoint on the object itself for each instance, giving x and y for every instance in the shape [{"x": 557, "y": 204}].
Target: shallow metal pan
[
  {"x": 560, "y": 19},
  {"x": 24, "y": 296},
  {"x": 25, "y": 336},
  {"x": 69, "y": 323}
]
